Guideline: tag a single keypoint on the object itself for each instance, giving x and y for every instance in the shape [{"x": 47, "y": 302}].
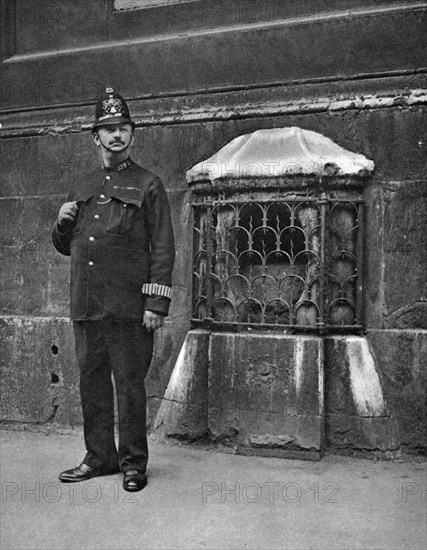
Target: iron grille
[{"x": 287, "y": 263}]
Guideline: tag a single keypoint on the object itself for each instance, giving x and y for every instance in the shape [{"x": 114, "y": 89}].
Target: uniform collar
[{"x": 122, "y": 166}]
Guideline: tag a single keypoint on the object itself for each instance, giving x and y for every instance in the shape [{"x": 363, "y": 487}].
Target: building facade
[{"x": 197, "y": 74}]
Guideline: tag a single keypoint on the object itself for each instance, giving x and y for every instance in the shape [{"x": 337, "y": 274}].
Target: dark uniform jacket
[{"x": 121, "y": 244}]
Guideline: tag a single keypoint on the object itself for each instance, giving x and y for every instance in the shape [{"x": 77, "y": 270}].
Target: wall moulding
[
  {"x": 138, "y": 4},
  {"x": 204, "y": 108},
  {"x": 71, "y": 70}
]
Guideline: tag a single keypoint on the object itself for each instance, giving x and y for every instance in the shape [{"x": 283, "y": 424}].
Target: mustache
[{"x": 118, "y": 141}]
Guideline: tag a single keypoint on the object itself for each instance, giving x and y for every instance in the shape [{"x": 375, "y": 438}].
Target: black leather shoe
[
  {"x": 134, "y": 481},
  {"x": 83, "y": 472}
]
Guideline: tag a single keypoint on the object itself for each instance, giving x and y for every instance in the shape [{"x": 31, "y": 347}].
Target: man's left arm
[{"x": 158, "y": 290}]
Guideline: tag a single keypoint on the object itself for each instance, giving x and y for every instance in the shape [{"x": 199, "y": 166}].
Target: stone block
[
  {"x": 39, "y": 376},
  {"x": 266, "y": 393},
  {"x": 167, "y": 344},
  {"x": 356, "y": 411},
  {"x": 46, "y": 166},
  {"x": 401, "y": 358},
  {"x": 34, "y": 278},
  {"x": 405, "y": 255},
  {"x": 359, "y": 433},
  {"x": 352, "y": 383},
  {"x": 183, "y": 409}
]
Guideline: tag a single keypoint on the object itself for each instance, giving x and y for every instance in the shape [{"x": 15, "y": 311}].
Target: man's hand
[
  {"x": 152, "y": 321},
  {"x": 67, "y": 213}
]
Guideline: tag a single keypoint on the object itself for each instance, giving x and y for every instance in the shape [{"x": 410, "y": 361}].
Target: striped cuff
[{"x": 156, "y": 290}]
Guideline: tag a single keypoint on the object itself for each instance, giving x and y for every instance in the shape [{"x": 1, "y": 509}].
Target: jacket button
[
  {"x": 102, "y": 196},
  {"x": 91, "y": 238},
  {"x": 96, "y": 216},
  {"x": 107, "y": 177},
  {"x": 91, "y": 263},
  {"x": 124, "y": 205}
]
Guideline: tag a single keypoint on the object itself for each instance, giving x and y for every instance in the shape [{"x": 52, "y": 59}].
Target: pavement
[{"x": 201, "y": 499}]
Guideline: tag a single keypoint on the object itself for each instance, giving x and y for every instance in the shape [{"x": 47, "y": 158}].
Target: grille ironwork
[{"x": 282, "y": 263}]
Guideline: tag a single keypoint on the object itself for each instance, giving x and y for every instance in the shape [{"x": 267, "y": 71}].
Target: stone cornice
[{"x": 256, "y": 103}]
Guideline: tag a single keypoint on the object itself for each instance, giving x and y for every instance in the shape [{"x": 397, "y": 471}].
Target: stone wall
[{"x": 196, "y": 76}]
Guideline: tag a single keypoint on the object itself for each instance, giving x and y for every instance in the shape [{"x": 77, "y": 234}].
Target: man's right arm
[{"x": 62, "y": 230}]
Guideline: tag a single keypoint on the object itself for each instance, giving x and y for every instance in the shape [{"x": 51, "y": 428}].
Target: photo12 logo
[
  {"x": 53, "y": 492},
  {"x": 411, "y": 491},
  {"x": 269, "y": 491}
]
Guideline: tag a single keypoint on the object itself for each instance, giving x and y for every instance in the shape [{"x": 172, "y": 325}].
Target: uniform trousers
[{"x": 123, "y": 349}]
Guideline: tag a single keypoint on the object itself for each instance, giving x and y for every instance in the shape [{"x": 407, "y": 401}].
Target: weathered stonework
[
  {"x": 278, "y": 153},
  {"x": 357, "y": 416},
  {"x": 401, "y": 359},
  {"x": 191, "y": 91},
  {"x": 405, "y": 250},
  {"x": 183, "y": 411},
  {"x": 252, "y": 392},
  {"x": 266, "y": 393},
  {"x": 39, "y": 376}
]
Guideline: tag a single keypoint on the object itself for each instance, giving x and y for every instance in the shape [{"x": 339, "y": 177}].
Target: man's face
[{"x": 117, "y": 137}]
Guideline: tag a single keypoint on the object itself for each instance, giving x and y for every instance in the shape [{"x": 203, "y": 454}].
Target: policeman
[{"x": 116, "y": 227}]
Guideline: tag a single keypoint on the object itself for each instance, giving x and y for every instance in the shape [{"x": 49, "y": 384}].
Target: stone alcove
[{"x": 278, "y": 266}]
